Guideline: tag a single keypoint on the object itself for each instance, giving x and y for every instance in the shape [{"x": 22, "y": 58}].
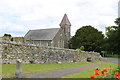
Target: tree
[
  {"x": 89, "y": 37},
  {"x": 112, "y": 38},
  {"x": 81, "y": 48},
  {"x": 111, "y": 35},
  {"x": 117, "y": 21},
  {"x": 7, "y": 35}
]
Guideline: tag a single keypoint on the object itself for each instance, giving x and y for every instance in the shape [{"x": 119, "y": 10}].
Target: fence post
[{"x": 18, "y": 73}]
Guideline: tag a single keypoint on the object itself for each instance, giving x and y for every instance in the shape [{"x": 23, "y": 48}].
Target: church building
[{"x": 54, "y": 37}]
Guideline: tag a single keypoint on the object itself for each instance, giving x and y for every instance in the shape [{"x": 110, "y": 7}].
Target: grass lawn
[
  {"x": 9, "y": 69},
  {"x": 90, "y": 72},
  {"x": 112, "y": 56}
]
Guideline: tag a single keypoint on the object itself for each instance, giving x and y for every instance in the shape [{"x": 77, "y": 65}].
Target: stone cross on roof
[{"x": 65, "y": 21}]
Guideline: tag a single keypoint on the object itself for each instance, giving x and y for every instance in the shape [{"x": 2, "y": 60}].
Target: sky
[{"x": 17, "y": 17}]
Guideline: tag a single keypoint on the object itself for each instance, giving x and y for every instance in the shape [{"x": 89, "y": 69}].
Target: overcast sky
[{"x": 19, "y": 16}]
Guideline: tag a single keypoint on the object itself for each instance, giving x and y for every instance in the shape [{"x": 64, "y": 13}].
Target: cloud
[{"x": 19, "y": 16}]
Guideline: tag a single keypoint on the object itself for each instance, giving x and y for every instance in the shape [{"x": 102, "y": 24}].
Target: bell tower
[
  {"x": 119, "y": 9},
  {"x": 66, "y": 28}
]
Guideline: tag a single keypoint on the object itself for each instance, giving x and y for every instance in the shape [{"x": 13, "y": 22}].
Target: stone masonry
[{"x": 34, "y": 54}]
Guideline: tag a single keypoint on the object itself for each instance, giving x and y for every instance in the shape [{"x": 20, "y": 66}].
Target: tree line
[{"x": 91, "y": 39}]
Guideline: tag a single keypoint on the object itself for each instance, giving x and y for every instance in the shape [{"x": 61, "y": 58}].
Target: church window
[
  {"x": 49, "y": 44},
  {"x": 52, "y": 43}
]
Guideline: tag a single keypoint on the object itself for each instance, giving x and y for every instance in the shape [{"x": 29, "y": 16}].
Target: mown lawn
[
  {"x": 9, "y": 69},
  {"x": 114, "y": 56},
  {"x": 90, "y": 72}
]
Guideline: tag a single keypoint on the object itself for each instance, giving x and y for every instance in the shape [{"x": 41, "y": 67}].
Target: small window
[{"x": 49, "y": 44}]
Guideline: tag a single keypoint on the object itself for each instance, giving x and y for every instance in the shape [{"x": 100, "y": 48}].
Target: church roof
[
  {"x": 65, "y": 21},
  {"x": 42, "y": 34}
]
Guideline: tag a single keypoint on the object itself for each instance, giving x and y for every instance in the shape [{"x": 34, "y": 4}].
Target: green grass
[
  {"x": 112, "y": 72},
  {"x": 9, "y": 69},
  {"x": 0, "y": 68},
  {"x": 112, "y": 56},
  {"x": 90, "y": 72}
]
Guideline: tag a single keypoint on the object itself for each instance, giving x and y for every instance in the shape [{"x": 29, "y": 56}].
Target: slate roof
[{"x": 42, "y": 34}]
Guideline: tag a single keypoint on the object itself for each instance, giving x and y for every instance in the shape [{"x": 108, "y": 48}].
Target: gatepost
[{"x": 18, "y": 73}]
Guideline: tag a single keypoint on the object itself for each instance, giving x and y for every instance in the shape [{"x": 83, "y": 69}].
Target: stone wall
[{"x": 30, "y": 53}]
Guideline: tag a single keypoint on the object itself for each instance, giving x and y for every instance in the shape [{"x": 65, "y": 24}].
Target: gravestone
[{"x": 18, "y": 73}]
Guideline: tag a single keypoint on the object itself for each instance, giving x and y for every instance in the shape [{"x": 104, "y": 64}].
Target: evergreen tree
[
  {"x": 112, "y": 38},
  {"x": 89, "y": 37}
]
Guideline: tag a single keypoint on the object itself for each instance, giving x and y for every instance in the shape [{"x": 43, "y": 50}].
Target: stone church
[{"x": 54, "y": 37}]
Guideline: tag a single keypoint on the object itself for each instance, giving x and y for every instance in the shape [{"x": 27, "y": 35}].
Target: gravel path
[{"x": 62, "y": 72}]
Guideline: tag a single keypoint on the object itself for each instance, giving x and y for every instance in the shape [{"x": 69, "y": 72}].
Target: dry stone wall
[{"x": 30, "y": 53}]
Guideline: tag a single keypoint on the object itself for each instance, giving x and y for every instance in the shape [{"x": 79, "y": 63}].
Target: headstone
[{"x": 18, "y": 73}]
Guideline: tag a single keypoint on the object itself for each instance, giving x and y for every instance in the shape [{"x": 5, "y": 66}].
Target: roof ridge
[
  {"x": 46, "y": 28},
  {"x": 42, "y": 34}
]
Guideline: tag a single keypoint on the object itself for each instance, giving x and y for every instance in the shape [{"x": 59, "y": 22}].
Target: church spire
[
  {"x": 65, "y": 21},
  {"x": 119, "y": 8}
]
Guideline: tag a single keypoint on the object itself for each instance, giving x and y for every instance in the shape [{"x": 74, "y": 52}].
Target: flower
[
  {"x": 92, "y": 77},
  {"x": 108, "y": 68},
  {"x": 117, "y": 75},
  {"x": 97, "y": 74},
  {"x": 105, "y": 69},
  {"x": 97, "y": 71},
  {"x": 102, "y": 72}
]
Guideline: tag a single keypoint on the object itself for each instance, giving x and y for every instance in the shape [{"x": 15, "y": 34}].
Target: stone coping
[{"x": 33, "y": 45}]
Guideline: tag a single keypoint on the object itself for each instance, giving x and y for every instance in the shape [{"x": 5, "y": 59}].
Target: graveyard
[{"x": 53, "y": 53}]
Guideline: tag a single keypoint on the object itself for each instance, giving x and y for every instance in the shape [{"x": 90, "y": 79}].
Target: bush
[
  {"x": 81, "y": 48},
  {"x": 9, "y": 35}
]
